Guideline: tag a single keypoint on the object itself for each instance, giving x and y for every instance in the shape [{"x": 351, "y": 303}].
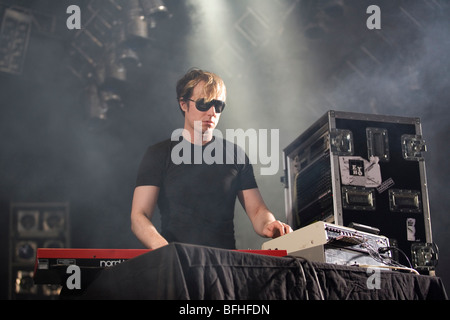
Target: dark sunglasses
[{"x": 203, "y": 106}]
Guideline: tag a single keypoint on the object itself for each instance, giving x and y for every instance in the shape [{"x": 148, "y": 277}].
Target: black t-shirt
[{"x": 197, "y": 197}]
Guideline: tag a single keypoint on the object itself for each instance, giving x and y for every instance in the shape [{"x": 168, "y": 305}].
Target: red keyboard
[{"x": 50, "y": 263}]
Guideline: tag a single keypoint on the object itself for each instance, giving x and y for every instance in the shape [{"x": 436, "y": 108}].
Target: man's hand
[
  {"x": 276, "y": 229},
  {"x": 262, "y": 219}
]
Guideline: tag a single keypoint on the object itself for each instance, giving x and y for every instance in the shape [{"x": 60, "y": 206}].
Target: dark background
[{"x": 285, "y": 63}]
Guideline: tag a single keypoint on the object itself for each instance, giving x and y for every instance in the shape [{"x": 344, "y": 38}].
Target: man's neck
[{"x": 197, "y": 137}]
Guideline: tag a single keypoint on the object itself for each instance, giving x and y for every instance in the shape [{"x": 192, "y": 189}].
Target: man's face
[{"x": 209, "y": 119}]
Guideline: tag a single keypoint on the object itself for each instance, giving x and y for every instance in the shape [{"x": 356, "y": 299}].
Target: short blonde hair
[{"x": 214, "y": 85}]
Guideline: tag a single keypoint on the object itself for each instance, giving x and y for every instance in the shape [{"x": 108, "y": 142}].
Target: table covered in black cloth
[{"x": 190, "y": 272}]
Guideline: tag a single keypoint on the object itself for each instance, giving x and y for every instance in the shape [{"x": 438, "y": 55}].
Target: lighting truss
[{"x": 14, "y": 38}]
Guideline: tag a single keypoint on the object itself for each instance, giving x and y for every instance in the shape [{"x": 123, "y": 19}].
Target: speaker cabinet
[{"x": 32, "y": 226}]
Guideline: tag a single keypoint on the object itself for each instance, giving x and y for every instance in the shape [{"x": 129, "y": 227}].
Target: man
[{"x": 196, "y": 199}]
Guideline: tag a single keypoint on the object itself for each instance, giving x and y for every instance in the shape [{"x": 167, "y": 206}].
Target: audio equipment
[{"x": 329, "y": 243}]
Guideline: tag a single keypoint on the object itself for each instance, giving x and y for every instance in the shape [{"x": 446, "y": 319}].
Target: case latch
[{"x": 412, "y": 147}]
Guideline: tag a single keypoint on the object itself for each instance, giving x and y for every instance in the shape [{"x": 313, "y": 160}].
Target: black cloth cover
[{"x": 190, "y": 272}]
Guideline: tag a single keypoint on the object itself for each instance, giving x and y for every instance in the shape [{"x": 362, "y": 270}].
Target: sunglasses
[{"x": 203, "y": 106}]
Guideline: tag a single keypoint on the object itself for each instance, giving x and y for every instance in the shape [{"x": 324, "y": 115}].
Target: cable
[
  {"x": 304, "y": 278},
  {"x": 386, "y": 249},
  {"x": 387, "y": 263},
  {"x": 373, "y": 252},
  {"x": 316, "y": 279},
  {"x": 318, "y": 283},
  {"x": 389, "y": 267},
  {"x": 303, "y": 274}
]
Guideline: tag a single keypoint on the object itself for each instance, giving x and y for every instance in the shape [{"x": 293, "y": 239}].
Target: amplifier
[
  {"x": 325, "y": 242},
  {"x": 361, "y": 168}
]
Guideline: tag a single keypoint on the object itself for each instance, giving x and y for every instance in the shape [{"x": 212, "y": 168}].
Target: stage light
[
  {"x": 115, "y": 72},
  {"x": 14, "y": 37},
  {"x": 102, "y": 103},
  {"x": 155, "y": 9},
  {"x": 111, "y": 99},
  {"x": 128, "y": 57},
  {"x": 95, "y": 108},
  {"x": 135, "y": 24}
]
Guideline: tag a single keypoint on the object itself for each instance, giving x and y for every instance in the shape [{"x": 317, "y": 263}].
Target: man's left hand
[{"x": 276, "y": 229}]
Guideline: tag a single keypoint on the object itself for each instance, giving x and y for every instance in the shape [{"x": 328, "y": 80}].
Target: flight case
[{"x": 352, "y": 168}]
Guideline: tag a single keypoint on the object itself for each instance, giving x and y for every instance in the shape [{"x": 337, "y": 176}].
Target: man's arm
[
  {"x": 262, "y": 219},
  {"x": 142, "y": 208}
]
